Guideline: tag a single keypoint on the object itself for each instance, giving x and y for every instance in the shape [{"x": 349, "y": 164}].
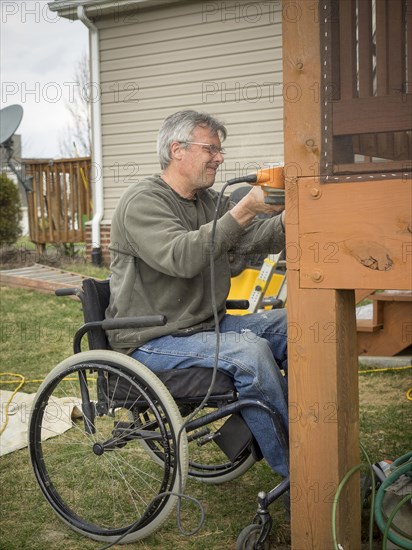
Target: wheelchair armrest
[
  {"x": 119, "y": 323},
  {"x": 275, "y": 303},
  {"x": 237, "y": 304},
  {"x": 72, "y": 291},
  {"x": 134, "y": 322}
]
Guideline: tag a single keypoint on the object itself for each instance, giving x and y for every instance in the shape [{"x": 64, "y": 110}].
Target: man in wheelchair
[{"x": 161, "y": 242}]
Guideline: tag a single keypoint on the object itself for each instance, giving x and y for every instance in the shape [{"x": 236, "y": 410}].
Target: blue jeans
[{"x": 253, "y": 350}]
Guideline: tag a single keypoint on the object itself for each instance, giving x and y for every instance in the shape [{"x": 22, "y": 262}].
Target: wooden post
[
  {"x": 324, "y": 418},
  {"x": 323, "y": 401},
  {"x": 323, "y": 383}
]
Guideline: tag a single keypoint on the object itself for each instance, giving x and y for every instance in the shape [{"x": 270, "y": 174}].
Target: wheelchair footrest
[{"x": 234, "y": 437}]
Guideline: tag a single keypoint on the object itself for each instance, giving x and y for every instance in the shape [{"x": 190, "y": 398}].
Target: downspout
[{"x": 97, "y": 136}]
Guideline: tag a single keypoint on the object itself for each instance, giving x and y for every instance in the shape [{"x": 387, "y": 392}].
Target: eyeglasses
[{"x": 213, "y": 149}]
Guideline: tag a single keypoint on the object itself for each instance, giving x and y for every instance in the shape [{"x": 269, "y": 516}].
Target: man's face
[{"x": 199, "y": 165}]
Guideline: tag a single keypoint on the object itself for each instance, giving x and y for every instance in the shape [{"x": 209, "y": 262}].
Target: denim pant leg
[
  {"x": 270, "y": 325},
  {"x": 251, "y": 364}
]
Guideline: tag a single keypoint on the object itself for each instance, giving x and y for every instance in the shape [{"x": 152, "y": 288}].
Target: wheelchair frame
[{"x": 124, "y": 409}]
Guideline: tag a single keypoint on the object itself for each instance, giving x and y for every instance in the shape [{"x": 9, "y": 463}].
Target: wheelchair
[{"x": 133, "y": 437}]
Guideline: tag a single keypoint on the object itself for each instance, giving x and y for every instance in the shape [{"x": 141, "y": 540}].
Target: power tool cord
[{"x": 180, "y": 494}]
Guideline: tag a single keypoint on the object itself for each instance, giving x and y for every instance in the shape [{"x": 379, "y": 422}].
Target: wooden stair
[{"x": 389, "y": 331}]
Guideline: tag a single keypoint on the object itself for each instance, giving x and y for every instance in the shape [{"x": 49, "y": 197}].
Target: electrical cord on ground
[
  {"x": 390, "y": 369},
  {"x": 35, "y": 381},
  {"x": 22, "y": 382},
  {"x": 387, "y": 369},
  {"x": 7, "y": 407}
]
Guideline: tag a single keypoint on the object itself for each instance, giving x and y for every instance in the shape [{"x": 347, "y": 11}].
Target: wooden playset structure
[{"x": 347, "y": 113}]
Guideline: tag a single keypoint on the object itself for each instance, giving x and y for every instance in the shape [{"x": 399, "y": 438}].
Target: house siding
[{"x": 221, "y": 57}]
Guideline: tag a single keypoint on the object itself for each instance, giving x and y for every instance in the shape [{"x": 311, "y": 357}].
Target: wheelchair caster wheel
[{"x": 249, "y": 537}]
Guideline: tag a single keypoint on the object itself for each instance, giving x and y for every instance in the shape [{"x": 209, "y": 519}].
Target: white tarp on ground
[{"x": 57, "y": 418}]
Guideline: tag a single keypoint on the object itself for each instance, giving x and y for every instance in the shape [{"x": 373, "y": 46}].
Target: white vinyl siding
[{"x": 220, "y": 57}]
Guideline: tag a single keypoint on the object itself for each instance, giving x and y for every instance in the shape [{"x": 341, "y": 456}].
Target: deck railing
[
  {"x": 370, "y": 88},
  {"x": 59, "y": 204}
]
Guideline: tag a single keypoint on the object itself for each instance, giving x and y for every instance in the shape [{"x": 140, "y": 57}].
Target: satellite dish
[{"x": 10, "y": 118}]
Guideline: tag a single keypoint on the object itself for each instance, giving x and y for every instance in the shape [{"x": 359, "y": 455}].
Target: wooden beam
[
  {"x": 301, "y": 75},
  {"x": 392, "y": 296},
  {"x": 396, "y": 48},
  {"x": 382, "y": 86},
  {"x": 365, "y": 48},
  {"x": 373, "y": 167},
  {"x": 367, "y": 325},
  {"x": 355, "y": 234},
  {"x": 347, "y": 60},
  {"x": 408, "y": 17},
  {"x": 372, "y": 114}
]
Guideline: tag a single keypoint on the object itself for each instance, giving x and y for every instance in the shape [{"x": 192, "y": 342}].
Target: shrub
[{"x": 10, "y": 211}]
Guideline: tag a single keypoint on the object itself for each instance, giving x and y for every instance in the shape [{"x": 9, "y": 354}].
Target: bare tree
[{"x": 76, "y": 140}]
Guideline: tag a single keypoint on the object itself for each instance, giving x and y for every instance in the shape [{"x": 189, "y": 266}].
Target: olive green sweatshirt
[{"x": 160, "y": 250}]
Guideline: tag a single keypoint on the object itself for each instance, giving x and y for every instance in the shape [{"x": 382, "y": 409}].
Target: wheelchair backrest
[
  {"x": 95, "y": 300},
  {"x": 193, "y": 381}
]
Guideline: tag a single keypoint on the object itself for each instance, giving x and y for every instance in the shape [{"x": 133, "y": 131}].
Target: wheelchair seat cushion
[
  {"x": 184, "y": 384},
  {"x": 194, "y": 382}
]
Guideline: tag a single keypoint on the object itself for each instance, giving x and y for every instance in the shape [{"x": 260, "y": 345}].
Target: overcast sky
[{"x": 39, "y": 55}]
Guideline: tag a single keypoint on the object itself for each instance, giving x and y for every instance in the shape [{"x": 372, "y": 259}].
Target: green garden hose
[
  {"x": 403, "y": 465},
  {"x": 400, "y": 466}
]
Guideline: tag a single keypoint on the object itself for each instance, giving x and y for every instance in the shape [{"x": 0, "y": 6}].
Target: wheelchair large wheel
[{"x": 96, "y": 475}]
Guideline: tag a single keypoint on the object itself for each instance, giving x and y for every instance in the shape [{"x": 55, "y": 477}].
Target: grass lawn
[{"x": 36, "y": 334}]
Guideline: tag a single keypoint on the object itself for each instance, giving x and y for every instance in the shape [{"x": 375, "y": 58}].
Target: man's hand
[{"x": 251, "y": 205}]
